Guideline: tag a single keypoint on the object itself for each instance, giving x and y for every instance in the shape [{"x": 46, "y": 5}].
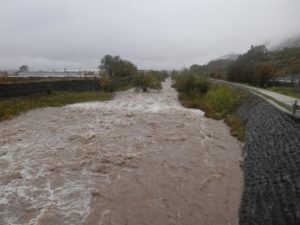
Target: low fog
[{"x": 157, "y": 34}]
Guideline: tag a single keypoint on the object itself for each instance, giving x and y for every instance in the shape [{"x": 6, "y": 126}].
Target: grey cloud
[{"x": 159, "y": 34}]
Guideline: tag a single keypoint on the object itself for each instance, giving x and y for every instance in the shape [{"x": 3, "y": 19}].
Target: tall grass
[
  {"x": 147, "y": 80},
  {"x": 218, "y": 101},
  {"x": 286, "y": 91},
  {"x": 221, "y": 101},
  {"x": 191, "y": 84},
  {"x": 10, "y": 107}
]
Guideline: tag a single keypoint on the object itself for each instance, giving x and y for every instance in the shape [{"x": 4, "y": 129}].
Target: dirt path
[{"x": 138, "y": 159}]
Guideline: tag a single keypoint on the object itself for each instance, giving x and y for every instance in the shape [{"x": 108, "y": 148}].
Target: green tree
[
  {"x": 106, "y": 83},
  {"x": 147, "y": 80},
  {"x": 24, "y": 68},
  {"x": 250, "y": 67},
  {"x": 191, "y": 84},
  {"x": 195, "y": 68},
  {"x": 116, "y": 67},
  {"x": 263, "y": 75},
  {"x": 256, "y": 53}
]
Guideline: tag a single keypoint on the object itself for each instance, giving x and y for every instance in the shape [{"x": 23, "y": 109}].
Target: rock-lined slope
[{"x": 271, "y": 166}]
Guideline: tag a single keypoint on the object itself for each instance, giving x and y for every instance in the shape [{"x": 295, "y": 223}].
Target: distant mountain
[
  {"x": 283, "y": 60},
  {"x": 289, "y": 43}
]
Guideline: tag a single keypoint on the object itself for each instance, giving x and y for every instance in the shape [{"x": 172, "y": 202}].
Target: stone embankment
[
  {"x": 27, "y": 88},
  {"x": 271, "y": 166}
]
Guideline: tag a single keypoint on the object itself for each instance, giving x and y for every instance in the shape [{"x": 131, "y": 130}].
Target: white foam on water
[
  {"x": 164, "y": 101},
  {"x": 32, "y": 157}
]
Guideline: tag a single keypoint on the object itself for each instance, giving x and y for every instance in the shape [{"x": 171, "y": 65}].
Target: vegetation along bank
[
  {"x": 19, "y": 94},
  {"x": 271, "y": 148},
  {"x": 218, "y": 101}
]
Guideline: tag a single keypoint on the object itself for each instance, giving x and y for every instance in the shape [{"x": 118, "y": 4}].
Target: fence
[
  {"x": 16, "y": 89},
  {"x": 295, "y": 107},
  {"x": 297, "y": 87}
]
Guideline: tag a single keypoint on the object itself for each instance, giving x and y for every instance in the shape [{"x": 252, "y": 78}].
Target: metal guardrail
[
  {"x": 292, "y": 109},
  {"x": 295, "y": 107}
]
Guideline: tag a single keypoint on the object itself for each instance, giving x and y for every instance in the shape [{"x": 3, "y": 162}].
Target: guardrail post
[{"x": 295, "y": 107}]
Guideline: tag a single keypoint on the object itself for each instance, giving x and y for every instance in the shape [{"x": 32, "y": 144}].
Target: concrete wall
[
  {"x": 23, "y": 88},
  {"x": 50, "y": 74}
]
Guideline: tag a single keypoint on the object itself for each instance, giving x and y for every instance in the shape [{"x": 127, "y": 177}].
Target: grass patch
[
  {"x": 217, "y": 101},
  {"x": 221, "y": 101},
  {"x": 285, "y": 91},
  {"x": 287, "y": 107},
  {"x": 125, "y": 87},
  {"x": 237, "y": 126},
  {"x": 10, "y": 107}
]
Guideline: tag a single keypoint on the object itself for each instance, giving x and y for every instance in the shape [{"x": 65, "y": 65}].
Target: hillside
[
  {"x": 289, "y": 43},
  {"x": 217, "y": 67},
  {"x": 284, "y": 61}
]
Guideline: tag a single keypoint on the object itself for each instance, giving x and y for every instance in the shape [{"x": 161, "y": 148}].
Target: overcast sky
[{"x": 157, "y": 34}]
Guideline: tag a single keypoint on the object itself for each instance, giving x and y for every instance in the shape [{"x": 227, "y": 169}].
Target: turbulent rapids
[{"x": 141, "y": 158}]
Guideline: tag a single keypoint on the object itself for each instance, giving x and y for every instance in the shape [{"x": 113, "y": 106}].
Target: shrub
[
  {"x": 14, "y": 106},
  {"x": 48, "y": 90},
  {"x": 237, "y": 126},
  {"x": 106, "y": 83},
  {"x": 191, "y": 84},
  {"x": 3, "y": 77},
  {"x": 116, "y": 67},
  {"x": 220, "y": 101},
  {"x": 146, "y": 81}
]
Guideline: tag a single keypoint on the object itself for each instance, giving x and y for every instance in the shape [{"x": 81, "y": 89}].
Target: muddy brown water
[{"x": 139, "y": 159}]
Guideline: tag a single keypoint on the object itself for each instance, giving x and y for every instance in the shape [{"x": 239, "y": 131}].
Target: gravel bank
[{"x": 271, "y": 166}]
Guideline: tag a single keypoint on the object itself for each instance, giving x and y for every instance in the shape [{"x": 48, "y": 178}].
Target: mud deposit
[{"x": 138, "y": 159}]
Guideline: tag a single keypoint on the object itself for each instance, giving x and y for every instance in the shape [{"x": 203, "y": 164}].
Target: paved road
[
  {"x": 287, "y": 100},
  {"x": 279, "y": 97}
]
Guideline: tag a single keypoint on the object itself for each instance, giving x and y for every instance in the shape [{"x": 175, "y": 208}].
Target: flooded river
[{"x": 139, "y": 159}]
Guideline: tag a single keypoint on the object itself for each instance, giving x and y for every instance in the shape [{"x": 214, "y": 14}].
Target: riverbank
[
  {"x": 271, "y": 165},
  {"x": 10, "y": 107},
  {"x": 216, "y": 100}
]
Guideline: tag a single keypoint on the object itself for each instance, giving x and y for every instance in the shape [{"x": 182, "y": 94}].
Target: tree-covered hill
[{"x": 284, "y": 61}]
